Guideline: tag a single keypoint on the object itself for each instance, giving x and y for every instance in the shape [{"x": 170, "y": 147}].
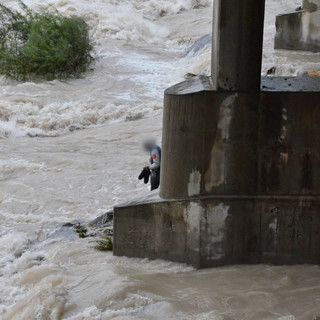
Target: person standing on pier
[{"x": 155, "y": 163}]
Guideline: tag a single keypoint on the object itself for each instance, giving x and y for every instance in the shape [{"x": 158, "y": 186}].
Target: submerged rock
[
  {"x": 101, "y": 226},
  {"x": 65, "y": 230},
  {"x": 199, "y": 45},
  {"x": 106, "y": 220}
]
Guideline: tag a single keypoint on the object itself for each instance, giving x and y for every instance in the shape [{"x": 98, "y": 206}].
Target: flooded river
[{"x": 72, "y": 150}]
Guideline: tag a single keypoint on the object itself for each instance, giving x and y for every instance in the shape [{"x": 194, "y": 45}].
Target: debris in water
[{"x": 314, "y": 73}]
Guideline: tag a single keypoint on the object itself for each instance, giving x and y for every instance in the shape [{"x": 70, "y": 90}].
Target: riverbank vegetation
[
  {"x": 42, "y": 44},
  {"x": 104, "y": 244}
]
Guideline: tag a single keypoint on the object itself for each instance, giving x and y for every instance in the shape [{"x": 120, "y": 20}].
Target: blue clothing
[{"x": 155, "y": 158}]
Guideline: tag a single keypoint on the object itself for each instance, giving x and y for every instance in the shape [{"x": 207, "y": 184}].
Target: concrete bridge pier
[
  {"x": 199, "y": 114},
  {"x": 311, "y": 5},
  {"x": 237, "y": 45},
  {"x": 240, "y": 166},
  {"x": 299, "y": 30}
]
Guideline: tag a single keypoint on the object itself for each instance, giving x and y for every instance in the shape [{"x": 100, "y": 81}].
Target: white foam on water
[
  {"x": 131, "y": 72},
  {"x": 16, "y": 165},
  {"x": 81, "y": 175},
  {"x": 140, "y": 49}
]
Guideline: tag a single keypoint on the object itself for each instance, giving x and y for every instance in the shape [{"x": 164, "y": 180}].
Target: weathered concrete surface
[
  {"x": 215, "y": 231},
  {"x": 241, "y": 143},
  {"x": 311, "y": 5},
  {"x": 236, "y": 62},
  {"x": 243, "y": 164},
  {"x": 292, "y": 84},
  {"x": 299, "y": 30},
  {"x": 244, "y": 170}
]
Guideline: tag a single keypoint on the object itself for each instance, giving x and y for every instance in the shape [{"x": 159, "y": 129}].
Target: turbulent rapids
[{"x": 53, "y": 172}]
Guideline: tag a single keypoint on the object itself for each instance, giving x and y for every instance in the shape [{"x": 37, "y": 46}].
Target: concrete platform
[
  {"x": 221, "y": 230},
  {"x": 298, "y": 31}
]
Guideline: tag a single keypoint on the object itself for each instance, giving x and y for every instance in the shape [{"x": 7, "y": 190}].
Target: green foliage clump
[
  {"x": 42, "y": 44},
  {"x": 104, "y": 244},
  {"x": 81, "y": 231}
]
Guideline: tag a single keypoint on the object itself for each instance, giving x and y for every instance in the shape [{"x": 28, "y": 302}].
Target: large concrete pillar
[
  {"x": 216, "y": 132},
  {"x": 237, "y": 44}
]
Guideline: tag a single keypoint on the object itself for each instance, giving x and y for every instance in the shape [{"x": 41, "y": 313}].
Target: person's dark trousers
[{"x": 155, "y": 179}]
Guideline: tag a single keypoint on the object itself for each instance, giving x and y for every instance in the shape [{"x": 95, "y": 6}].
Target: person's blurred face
[
  {"x": 148, "y": 144},
  {"x": 147, "y": 147}
]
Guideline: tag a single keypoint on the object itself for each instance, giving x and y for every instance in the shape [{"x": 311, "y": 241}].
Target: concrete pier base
[
  {"x": 221, "y": 230},
  {"x": 299, "y": 30},
  {"x": 244, "y": 172}
]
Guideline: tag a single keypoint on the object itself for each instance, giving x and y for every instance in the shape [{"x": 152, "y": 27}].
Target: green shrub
[
  {"x": 104, "y": 244},
  {"x": 81, "y": 231},
  {"x": 42, "y": 44}
]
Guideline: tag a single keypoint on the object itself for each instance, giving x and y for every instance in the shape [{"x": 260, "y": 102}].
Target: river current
[{"x": 72, "y": 150}]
